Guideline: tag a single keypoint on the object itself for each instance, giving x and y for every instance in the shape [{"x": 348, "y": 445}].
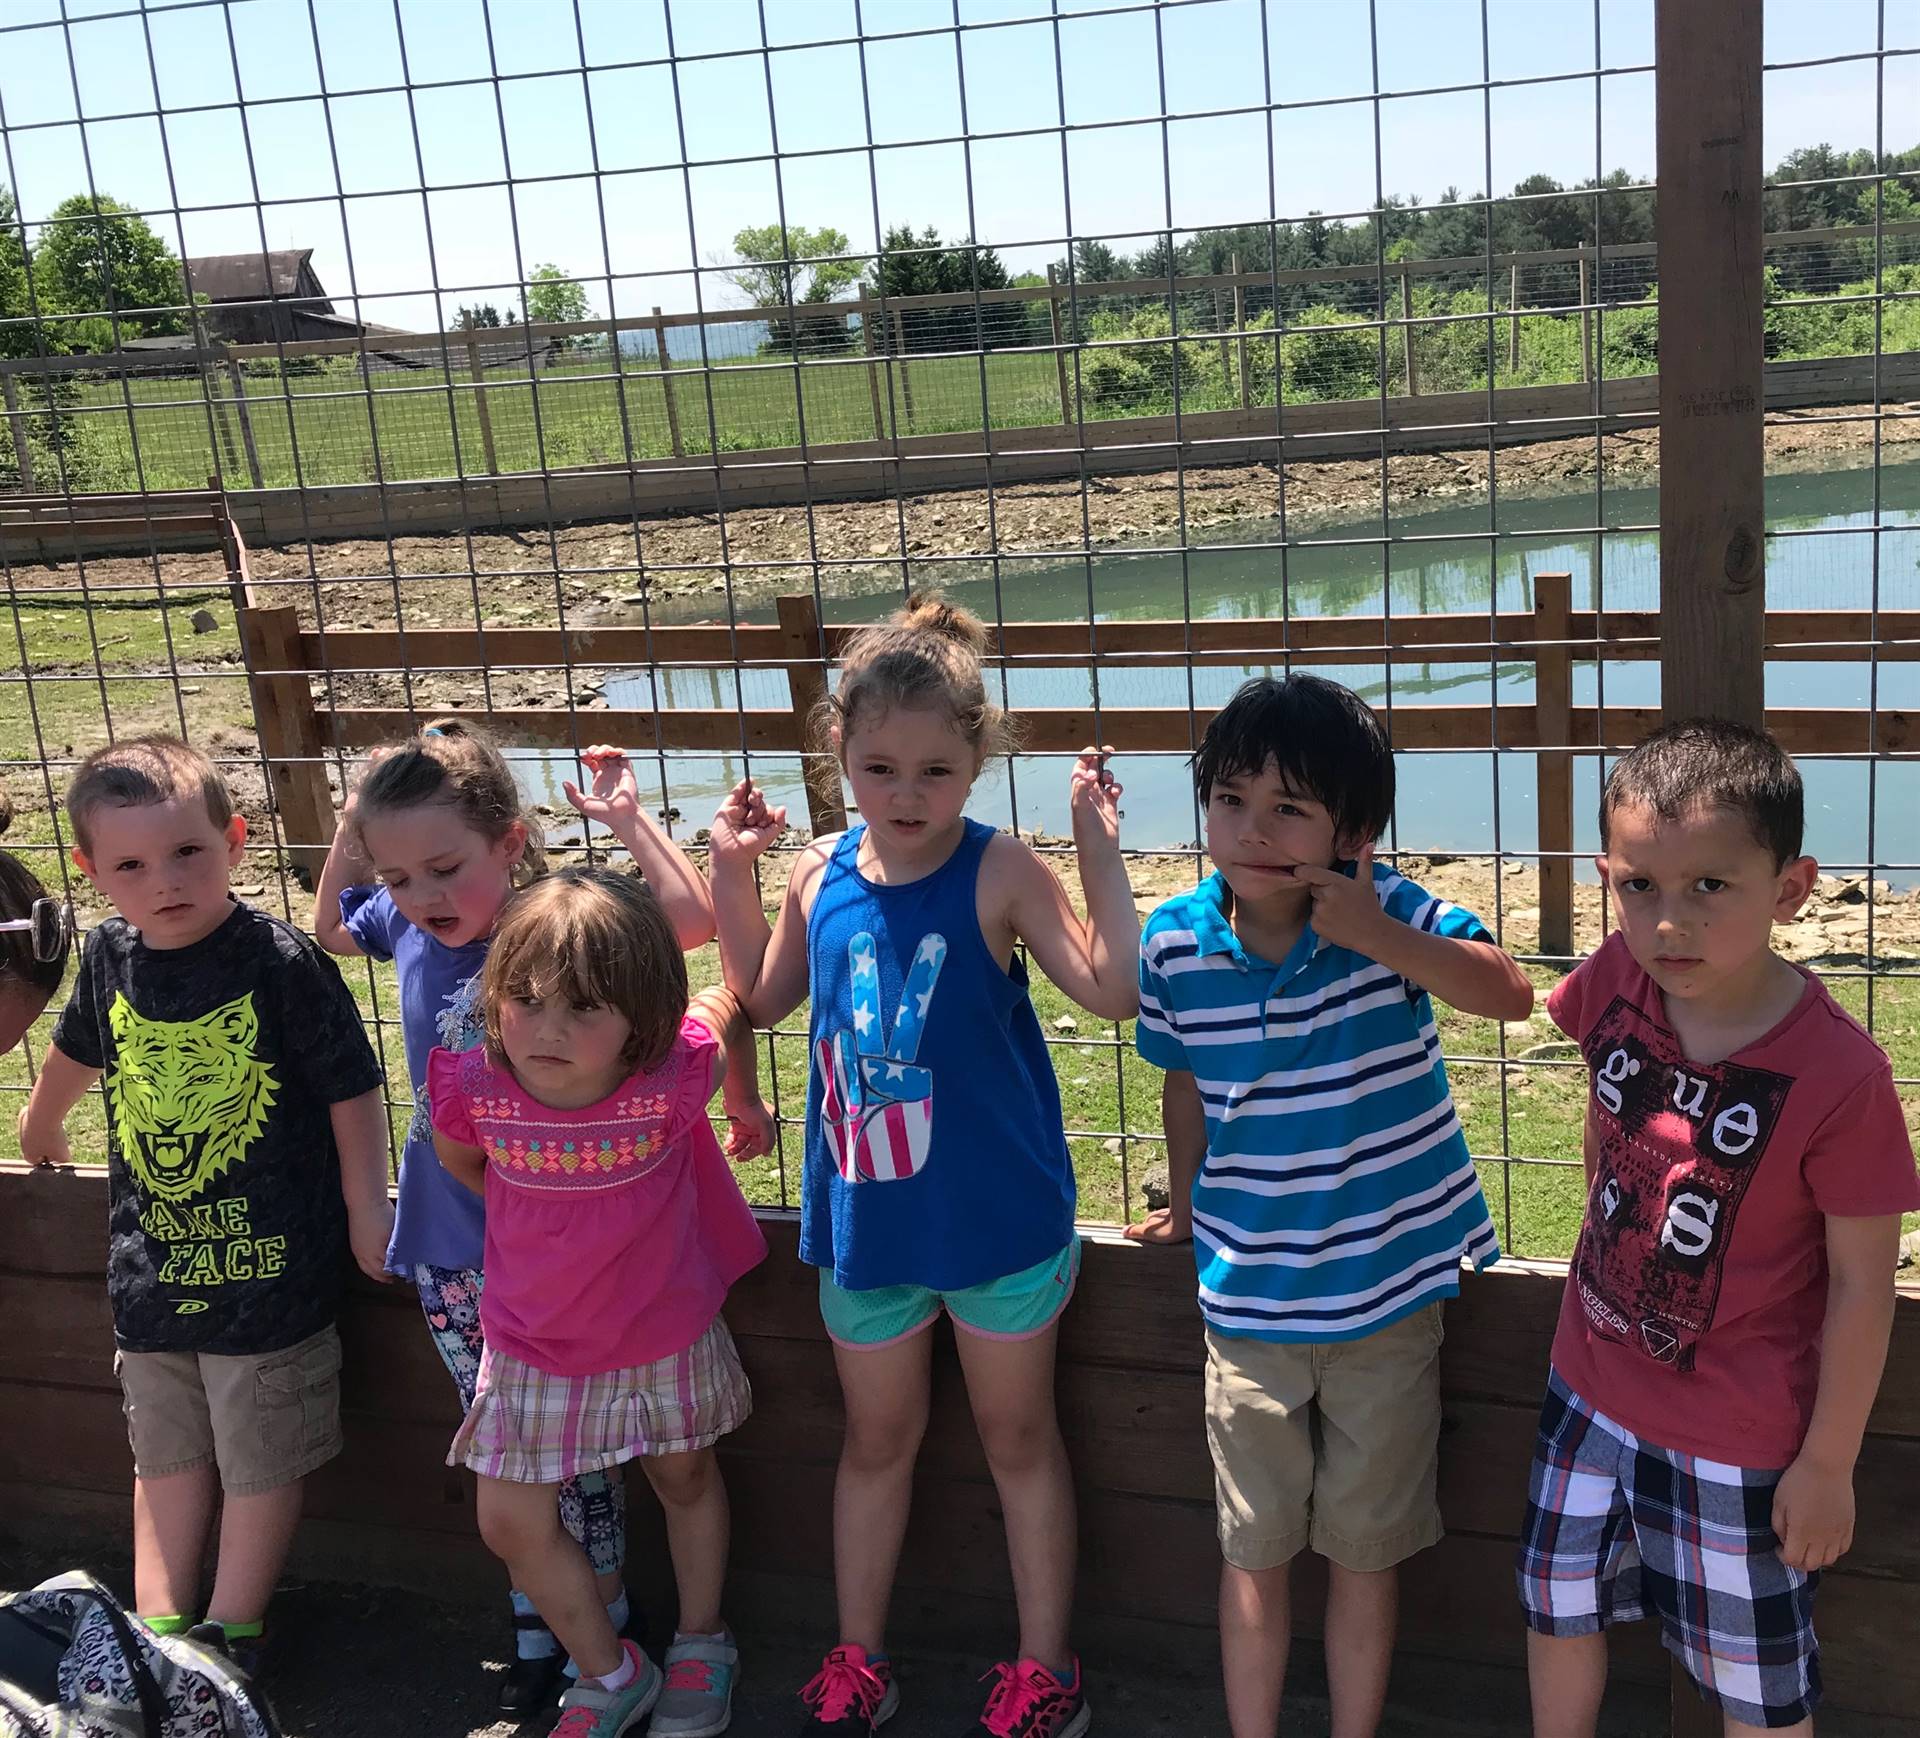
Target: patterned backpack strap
[{"x": 68, "y": 1604}]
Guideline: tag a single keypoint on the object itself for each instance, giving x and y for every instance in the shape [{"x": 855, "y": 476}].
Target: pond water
[{"x": 1820, "y": 556}]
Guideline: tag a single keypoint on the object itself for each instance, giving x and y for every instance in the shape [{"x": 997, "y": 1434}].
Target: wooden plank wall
[{"x": 1130, "y": 1405}]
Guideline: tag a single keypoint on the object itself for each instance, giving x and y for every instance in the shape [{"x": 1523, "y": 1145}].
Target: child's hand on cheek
[{"x": 1346, "y": 909}]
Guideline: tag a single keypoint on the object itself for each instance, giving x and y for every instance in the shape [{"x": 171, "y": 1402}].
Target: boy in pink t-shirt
[{"x": 1725, "y": 1321}]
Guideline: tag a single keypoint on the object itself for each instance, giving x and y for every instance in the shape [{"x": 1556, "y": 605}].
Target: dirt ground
[
  {"x": 357, "y": 1662},
  {"x": 516, "y": 577}
]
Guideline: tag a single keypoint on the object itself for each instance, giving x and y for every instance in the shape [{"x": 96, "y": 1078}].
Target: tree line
[{"x": 1818, "y": 187}]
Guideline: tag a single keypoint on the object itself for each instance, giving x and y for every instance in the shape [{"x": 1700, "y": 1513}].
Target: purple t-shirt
[{"x": 438, "y": 1220}]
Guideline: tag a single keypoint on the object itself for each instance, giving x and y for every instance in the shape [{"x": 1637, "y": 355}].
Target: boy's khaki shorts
[
  {"x": 1329, "y": 1446},
  {"x": 265, "y": 1418}
]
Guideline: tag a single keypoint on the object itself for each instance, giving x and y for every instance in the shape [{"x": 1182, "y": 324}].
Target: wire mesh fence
[{"x": 1218, "y": 335}]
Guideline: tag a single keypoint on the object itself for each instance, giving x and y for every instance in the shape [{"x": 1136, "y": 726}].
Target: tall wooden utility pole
[{"x": 1707, "y": 84}]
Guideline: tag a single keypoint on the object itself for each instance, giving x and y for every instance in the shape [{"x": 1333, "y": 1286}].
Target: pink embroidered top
[{"x": 613, "y": 1231}]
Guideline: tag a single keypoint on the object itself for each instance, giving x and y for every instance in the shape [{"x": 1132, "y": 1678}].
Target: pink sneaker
[
  {"x": 850, "y": 1694},
  {"x": 1028, "y": 1701}
]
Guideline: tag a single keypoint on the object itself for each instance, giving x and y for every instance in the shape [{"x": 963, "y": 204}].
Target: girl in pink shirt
[{"x": 613, "y": 1231}]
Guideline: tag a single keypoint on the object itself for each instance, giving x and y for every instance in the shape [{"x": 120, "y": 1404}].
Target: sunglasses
[{"x": 51, "y": 925}]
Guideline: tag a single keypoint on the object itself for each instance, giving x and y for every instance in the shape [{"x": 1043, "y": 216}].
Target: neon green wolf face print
[{"x": 188, "y": 1097}]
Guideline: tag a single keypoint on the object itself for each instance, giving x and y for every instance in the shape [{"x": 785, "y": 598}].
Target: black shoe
[
  {"x": 530, "y": 1685},
  {"x": 244, "y": 1653}
]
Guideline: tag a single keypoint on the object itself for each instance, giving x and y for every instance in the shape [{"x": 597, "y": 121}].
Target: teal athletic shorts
[{"x": 1019, "y": 1307}]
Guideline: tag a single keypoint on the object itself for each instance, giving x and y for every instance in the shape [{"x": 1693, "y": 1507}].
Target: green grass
[
  {"x": 1110, "y": 1098},
  {"x": 328, "y": 422}
]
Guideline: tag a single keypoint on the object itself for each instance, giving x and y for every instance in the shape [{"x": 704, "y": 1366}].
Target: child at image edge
[
  {"x": 247, "y": 1151},
  {"x": 1726, "y": 1316},
  {"x": 1318, "y": 1164},
  {"x": 613, "y": 1232},
  {"x": 937, "y": 1174}
]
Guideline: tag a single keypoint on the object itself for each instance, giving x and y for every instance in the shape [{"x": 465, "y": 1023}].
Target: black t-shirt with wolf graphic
[{"x": 222, "y": 1060}]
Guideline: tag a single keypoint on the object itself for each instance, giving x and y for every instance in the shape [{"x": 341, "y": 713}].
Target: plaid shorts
[
  {"x": 1617, "y": 1528},
  {"x": 530, "y": 1427}
]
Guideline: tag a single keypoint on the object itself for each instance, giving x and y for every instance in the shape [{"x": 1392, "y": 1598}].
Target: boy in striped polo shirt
[{"x": 1318, "y": 1165}]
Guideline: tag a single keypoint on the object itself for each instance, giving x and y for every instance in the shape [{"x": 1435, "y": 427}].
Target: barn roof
[{"x": 249, "y": 277}]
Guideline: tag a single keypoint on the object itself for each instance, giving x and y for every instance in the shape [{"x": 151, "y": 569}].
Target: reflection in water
[{"x": 1437, "y": 564}]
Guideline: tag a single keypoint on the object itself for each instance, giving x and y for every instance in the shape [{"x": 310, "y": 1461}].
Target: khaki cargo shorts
[
  {"x": 265, "y": 1419},
  {"x": 1333, "y": 1447}
]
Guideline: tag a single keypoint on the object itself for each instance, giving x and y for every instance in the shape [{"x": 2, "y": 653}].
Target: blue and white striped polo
[{"x": 1337, "y": 1194}]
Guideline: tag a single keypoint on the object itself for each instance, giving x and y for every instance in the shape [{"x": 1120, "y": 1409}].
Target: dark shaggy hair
[
  {"x": 1716, "y": 764},
  {"x": 1327, "y": 742}
]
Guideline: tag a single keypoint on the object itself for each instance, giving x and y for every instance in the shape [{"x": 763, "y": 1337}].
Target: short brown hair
[
  {"x": 1712, "y": 763},
  {"x": 140, "y": 772},
  {"x": 452, "y": 763},
  {"x": 598, "y": 937}
]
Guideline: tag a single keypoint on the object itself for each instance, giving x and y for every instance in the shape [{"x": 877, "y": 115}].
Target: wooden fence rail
[{"x": 297, "y": 732}]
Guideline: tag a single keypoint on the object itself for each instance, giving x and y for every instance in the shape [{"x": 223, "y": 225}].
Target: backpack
[{"x": 112, "y": 1677}]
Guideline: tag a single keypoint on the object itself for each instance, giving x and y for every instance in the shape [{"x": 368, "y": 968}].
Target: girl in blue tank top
[{"x": 937, "y": 1175}]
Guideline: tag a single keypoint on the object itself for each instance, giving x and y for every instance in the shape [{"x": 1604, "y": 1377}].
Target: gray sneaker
[
  {"x": 587, "y": 1711},
  {"x": 698, "y": 1702}
]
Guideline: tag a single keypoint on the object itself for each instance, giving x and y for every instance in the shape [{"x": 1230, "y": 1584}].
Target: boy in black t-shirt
[{"x": 247, "y": 1150}]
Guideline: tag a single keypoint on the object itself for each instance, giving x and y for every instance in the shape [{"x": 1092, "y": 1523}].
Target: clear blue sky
[{"x": 1210, "y": 50}]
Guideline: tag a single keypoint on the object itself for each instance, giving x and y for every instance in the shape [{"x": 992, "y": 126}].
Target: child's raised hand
[
  {"x": 745, "y": 825},
  {"x": 614, "y": 800},
  {"x": 1094, "y": 799},
  {"x": 1346, "y": 909}
]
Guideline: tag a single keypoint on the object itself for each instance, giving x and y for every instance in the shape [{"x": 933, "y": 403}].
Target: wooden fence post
[
  {"x": 210, "y": 384},
  {"x": 666, "y": 384},
  {"x": 1240, "y": 326},
  {"x": 1221, "y": 301},
  {"x": 1586, "y": 317},
  {"x": 807, "y": 687},
  {"x": 481, "y": 409},
  {"x": 1707, "y": 101},
  {"x": 289, "y": 733},
  {"x": 1406, "y": 329},
  {"x": 246, "y": 421},
  {"x": 23, "y": 454},
  {"x": 1513, "y": 324},
  {"x": 1059, "y": 355},
  {"x": 1553, "y": 708},
  {"x": 900, "y": 350},
  {"x": 873, "y": 376}
]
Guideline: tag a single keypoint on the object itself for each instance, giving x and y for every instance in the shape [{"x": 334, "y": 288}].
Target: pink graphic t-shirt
[
  {"x": 614, "y": 1231},
  {"x": 1699, "y": 1287}
]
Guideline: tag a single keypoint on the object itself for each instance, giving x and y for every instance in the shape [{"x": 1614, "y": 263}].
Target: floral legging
[{"x": 593, "y": 1507}]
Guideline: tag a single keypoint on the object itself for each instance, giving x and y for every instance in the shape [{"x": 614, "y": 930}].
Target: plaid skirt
[{"x": 528, "y": 1426}]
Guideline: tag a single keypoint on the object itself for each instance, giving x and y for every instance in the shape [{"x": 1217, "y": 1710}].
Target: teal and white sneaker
[
  {"x": 587, "y": 1711},
  {"x": 698, "y": 1702}
]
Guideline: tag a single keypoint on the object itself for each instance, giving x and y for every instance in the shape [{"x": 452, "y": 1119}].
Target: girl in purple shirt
[{"x": 431, "y": 845}]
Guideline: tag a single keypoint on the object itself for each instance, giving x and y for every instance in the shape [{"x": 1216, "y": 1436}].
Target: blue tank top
[{"x": 936, "y": 1154}]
